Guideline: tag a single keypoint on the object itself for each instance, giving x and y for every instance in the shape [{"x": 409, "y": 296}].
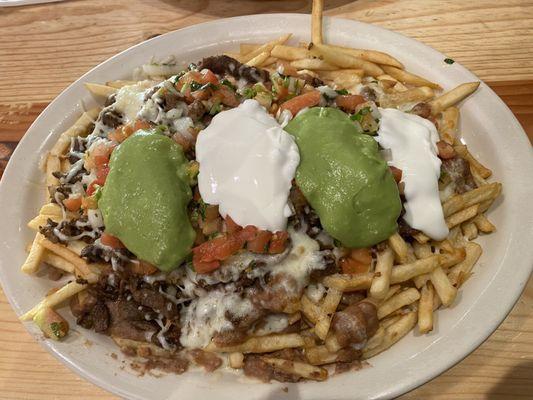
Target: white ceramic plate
[{"x": 488, "y": 126}]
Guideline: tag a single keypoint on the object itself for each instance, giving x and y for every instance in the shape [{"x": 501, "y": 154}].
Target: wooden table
[{"x": 45, "y": 48}]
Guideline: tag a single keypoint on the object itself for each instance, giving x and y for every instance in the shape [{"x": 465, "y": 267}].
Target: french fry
[
  {"x": 461, "y": 201},
  {"x": 391, "y": 292},
  {"x": 269, "y": 61},
  {"x": 320, "y": 355},
  {"x": 51, "y": 209},
  {"x": 311, "y": 311},
  {"x": 327, "y": 308},
  {"x": 377, "y": 57},
  {"x": 40, "y": 220},
  {"x": 341, "y": 73},
  {"x": 444, "y": 288},
  {"x": 297, "y": 368},
  {"x": 343, "y": 60},
  {"x": 422, "y": 250},
  {"x": 332, "y": 343},
  {"x": 65, "y": 165},
  {"x": 397, "y": 301},
  {"x": 349, "y": 283},
  {"x": 452, "y": 97},
  {"x": 448, "y": 260},
  {"x": 57, "y": 297},
  {"x": 53, "y": 164},
  {"x": 262, "y": 344},
  {"x": 462, "y": 216},
  {"x": 448, "y": 122},
  {"x": 80, "y": 128},
  {"x": 457, "y": 273},
  {"x": 470, "y": 231},
  {"x": 100, "y": 90},
  {"x": 376, "y": 339},
  {"x": 381, "y": 282},
  {"x": 483, "y": 224},
  {"x": 290, "y": 53},
  {"x": 35, "y": 256},
  {"x": 265, "y": 48},
  {"x": 421, "y": 238},
  {"x": 316, "y": 21},
  {"x": 79, "y": 263},
  {"x": 420, "y": 93},
  {"x": 117, "y": 84},
  {"x": 313, "y": 64},
  {"x": 462, "y": 150},
  {"x": 393, "y": 333},
  {"x": 404, "y": 272},
  {"x": 386, "y": 322},
  {"x": 400, "y": 248},
  {"x": 408, "y": 78},
  {"x": 425, "y": 308},
  {"x": 236, "y": 360},
  {"x": 258, "y": 59},
  {"x": 58, "y": 262}
]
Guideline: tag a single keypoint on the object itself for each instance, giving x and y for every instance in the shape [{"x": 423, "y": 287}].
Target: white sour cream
[
  {"x": 247, "y": 162},
  {"x": 413, "y": 143}
]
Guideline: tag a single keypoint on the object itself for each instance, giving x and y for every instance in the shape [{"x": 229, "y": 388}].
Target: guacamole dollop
[
  {"x": 343, "y": 177},
  {"x": 145, "y": 197}
]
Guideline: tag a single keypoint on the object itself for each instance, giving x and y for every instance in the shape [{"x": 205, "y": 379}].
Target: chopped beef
[
  {"x": 111, "y": 119},
  {"x": 311, "y": 80},
  {"x": 355, "y": 324},
  {"x": 196, "y": 110},
  {"x": 405, "y": 230},
  {"x": 82, "y": 304},
  {"x": 149, "y": 297},
  {"x": 224, "y": 65},
  {"x": 170, "y": 100},
  {"x": 176, "y": 365},
  {"x": 255, "y": 367},
  {"x": 458, "y": 170},
  {"x": 446, "y": 151},
  {"x": 110, "y": 100},
  {"x": 350, "y": 298},
  {"x": 210, "y": 361},
  {"x": 331, "y": 267},
  {"x": 422, "y": 110},
  {"x": 229, "y": 338},
  {"x": 100, "y": 317},
  {"x": 134, "y": 329},
  {"x": 48, "y": 231},
  {"x": 369, "y": 94}
]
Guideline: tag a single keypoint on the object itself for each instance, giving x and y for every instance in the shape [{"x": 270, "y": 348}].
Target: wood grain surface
[{"x": 44, "y": 48}]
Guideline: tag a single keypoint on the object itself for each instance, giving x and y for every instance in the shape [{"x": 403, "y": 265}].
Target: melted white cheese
[
  {"x": 206, "y": 315},
  {"x": 129, "y": 101},
  {"x": 247, "y": 162},
  {"x": 413, "y": 142}
]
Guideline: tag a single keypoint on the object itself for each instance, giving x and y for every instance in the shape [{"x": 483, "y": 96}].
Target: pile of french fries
[{"x": 406, "y": 282}]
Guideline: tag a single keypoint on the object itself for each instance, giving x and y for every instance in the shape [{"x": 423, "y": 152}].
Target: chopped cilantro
[
  {"x": 193, "y": 67},
  {"x": 57, "y": 330},
  {"x": 449, "y": 60},
  {"x": 215, "y": 108},
  {"x": 227, "y": 83},
  {"x": 195, "y": 86},
  {"x": 337, "y": 243},
  {"x": 342, "y": 91},
  {"x": 249, "y": 93},
  {"x": 359, "y": 116},
  {"x": 178, "y": 76},
  {"x": 201, "y": 209}
]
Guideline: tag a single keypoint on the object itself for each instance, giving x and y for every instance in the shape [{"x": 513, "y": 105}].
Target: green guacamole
[
  {"x": 343, "y": 177},
  {"x": 145, "y": 197}
]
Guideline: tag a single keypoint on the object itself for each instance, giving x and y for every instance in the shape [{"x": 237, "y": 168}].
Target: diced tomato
[
  {"x": 363, "y": 255},
  {"x": 89, "y": 203},
  {"x": 300, "y": 102},
  {"x": 207, "y": 256},
  {"x": 185, "y": 144},
  {"x": 349, "y": 102},
  {"x": 72, "y": 203},
  {"x": 350, "y": 266},
  {"x": 109, "y": 240},
  {"x": 143, "y": 268},
  {"x": 396, "y": 173},
  {"x": 260, "y": 244},
  {"x": 278, "y": 242},
  {"x": 205, "y": 267},
  {"x": 93, "y": 185},
  {"x": 231, "y": 226},
  {"x": 227, "y": 96},
  {"x": 209, "y": 77},
  {"x": 123, "y": 132}
]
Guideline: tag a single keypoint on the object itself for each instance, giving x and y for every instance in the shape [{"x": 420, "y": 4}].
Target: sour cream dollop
[
  {"x": 413, "y": 143},
  {"x": 247, "y": 162}
]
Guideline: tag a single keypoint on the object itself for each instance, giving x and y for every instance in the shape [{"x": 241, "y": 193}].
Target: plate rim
[{"x": 402, "y": 387}]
